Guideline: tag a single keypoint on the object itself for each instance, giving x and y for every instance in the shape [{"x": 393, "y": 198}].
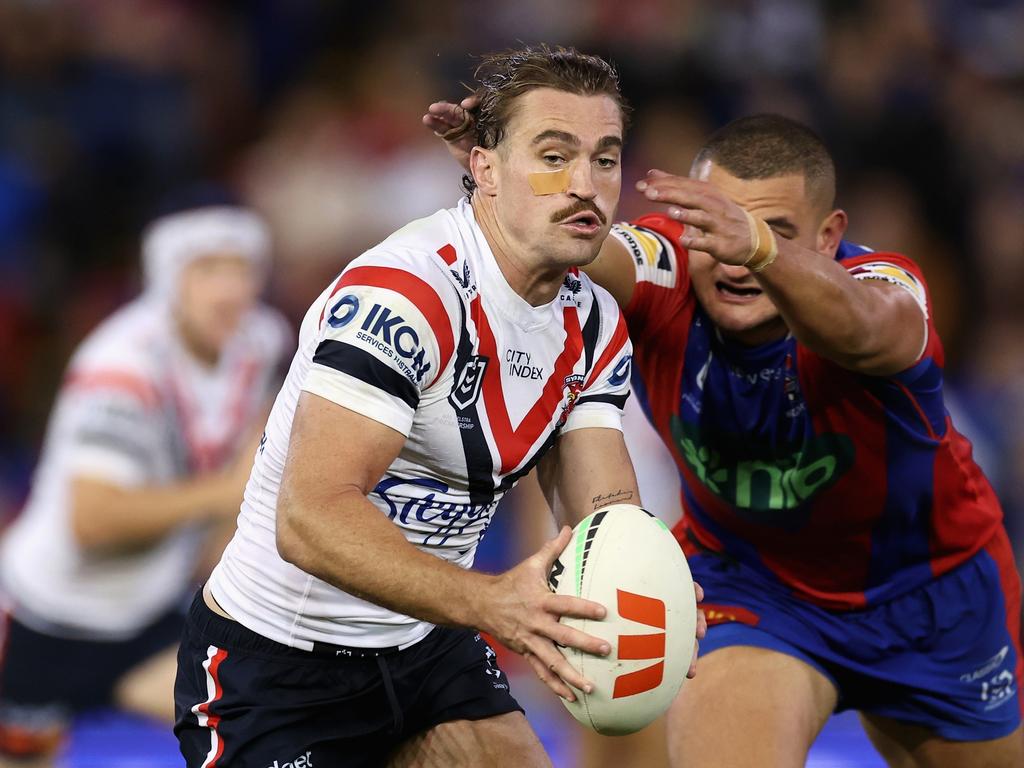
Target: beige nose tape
[{"x": 549, "y": 182}]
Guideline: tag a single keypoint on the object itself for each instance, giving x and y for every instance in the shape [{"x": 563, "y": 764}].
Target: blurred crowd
[{"x": 311, "y": 109}]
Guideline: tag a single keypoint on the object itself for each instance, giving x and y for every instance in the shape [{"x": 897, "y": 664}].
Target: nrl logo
[{"x": 466, "y": 389}]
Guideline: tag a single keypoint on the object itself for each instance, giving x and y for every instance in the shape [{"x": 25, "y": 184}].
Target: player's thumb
[{"x": 553, "y": 548}]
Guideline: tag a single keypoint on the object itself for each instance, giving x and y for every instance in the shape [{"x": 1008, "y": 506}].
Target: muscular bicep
[
  {"x": 613, "y": 270},
  {"x": 332, "y": 451},
  {"x": 899, "y": 330},
  {"x": 586, "y": 470}
]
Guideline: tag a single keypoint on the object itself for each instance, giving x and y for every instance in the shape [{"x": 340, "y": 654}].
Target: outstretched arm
[{"x": 868, "y": 326}]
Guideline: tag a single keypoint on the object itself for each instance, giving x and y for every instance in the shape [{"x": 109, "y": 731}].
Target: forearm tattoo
[{"x": 615, "y": 497}]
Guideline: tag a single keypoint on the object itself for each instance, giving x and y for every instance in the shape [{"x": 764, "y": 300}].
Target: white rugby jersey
[
  {"x": 423, "y": 334},
  {"x": 134, "y": 409}
]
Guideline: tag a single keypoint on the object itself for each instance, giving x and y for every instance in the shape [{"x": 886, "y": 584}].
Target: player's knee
[
  {"x": 749, "y": 706},
  {"x": 503, "y": 740}
]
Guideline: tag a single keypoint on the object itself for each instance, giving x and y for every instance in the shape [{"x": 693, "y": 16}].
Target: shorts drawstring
[{"x": 389, "y": 688}]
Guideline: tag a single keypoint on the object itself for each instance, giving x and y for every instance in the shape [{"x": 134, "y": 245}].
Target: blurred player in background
[
  {"x": 146, "y": 455},
  {"x": 852, "y": 552}
]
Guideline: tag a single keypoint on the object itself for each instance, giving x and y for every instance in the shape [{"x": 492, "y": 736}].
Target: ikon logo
[{"x": 649, "y": 611}]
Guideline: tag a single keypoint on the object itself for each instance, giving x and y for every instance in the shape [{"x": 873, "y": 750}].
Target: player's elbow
[
  {"x": 873, "y": 351},
  {"x": 296, "y": 530},
  {"x": 292, "y": 540}
]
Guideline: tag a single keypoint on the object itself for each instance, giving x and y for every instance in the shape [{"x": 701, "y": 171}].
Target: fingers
[
  {"x": 577, "y": 607},
  {"x": 470, "y": 102},
  {"x": 445, "y": 110},
  {"x": 684, "y": 192},
  {"x": 704, "y": 243},
  {"x": 573, "y": 638},
  {"x": 547, "y": 675},
  {"x": 702, "y": 629},
  {"x": 695, "y": 218},
  {"x": 555, "y": 671},
  {"x": 448, "y": 121}
]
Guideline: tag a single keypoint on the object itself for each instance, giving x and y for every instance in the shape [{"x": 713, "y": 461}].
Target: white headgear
[{"x": 171, "y": 242}]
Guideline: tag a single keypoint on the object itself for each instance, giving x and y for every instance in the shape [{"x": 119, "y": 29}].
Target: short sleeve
[
  {"x": 662, "y": 273},
  {"x": 384, "y": 338},
  {"x": 606, "y": 388},
  {"x": 898, "y": 270},
  {"x": 115, "y": 429}
]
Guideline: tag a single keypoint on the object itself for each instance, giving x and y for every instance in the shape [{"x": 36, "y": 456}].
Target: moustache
[{"x": 578, "y": 207}]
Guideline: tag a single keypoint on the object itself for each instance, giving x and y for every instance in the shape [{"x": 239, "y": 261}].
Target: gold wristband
[{"x": 763, "y": 246}]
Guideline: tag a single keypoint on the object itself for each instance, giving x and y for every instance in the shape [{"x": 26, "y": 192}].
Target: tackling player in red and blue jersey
[{"x": 852, "y": 554}]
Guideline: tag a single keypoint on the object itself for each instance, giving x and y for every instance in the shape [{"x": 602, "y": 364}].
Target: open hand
[
  {"x": 455, "y": 124},
  {"x": 715, "y": 224},
  {"x": 522, "y": 612}
]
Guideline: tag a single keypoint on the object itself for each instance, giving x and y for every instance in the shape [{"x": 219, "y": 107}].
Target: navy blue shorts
[
  {"x": 946, "y": 656},
  {"x": 244, "y": 701},
  {"x": 46, "y": 678}
]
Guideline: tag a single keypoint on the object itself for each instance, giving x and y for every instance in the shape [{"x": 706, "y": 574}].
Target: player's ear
[
  {"x": 483, "y": 167},
  {"x": 831, "y": 232}
]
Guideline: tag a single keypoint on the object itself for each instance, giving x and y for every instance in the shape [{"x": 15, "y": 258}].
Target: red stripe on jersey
[
  {"x": 917, "y": 408},
  {"x": 142, "y": 389},
  {"x": 513, "y": 444},
  {"x": 966, "y": 512},
  {"x": 999, "y": 549},
  {"x": 416, "y": 290},
  {"x": 619, "y": 339},
  {"x": 447, "y": 252}
]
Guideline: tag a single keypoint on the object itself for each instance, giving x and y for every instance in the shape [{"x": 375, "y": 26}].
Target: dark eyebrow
[{"x": 568, "y": 138}]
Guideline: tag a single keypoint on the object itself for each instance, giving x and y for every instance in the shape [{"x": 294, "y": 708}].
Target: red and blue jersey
[{"x": 847, "y": 489}]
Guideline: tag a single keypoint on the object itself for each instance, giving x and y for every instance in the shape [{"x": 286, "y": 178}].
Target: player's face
[
  {"x": 729, "y": 294},
  {"x": 214, "y": 294},
  {"x": 552, "y": 130}
]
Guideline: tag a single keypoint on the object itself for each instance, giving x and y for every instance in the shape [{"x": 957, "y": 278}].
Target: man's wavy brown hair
[{"x": 501, "y": 78}]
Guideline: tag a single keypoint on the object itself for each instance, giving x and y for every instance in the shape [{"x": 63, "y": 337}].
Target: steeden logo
[{"x": 649, "y": 611}]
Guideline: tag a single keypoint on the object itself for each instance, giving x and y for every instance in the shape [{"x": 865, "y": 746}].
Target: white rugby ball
[{"x": 626, "y": 559}]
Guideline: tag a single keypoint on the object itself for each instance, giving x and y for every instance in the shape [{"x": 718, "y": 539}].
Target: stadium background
[{"x": 311, "y": 110}]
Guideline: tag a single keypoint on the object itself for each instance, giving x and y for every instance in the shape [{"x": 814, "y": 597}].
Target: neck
[
  {"x": 205, "y": 354},
  {"x": 537, "y": 285}
]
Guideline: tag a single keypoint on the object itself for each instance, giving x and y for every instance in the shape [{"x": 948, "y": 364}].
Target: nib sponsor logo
[{"x": 303, "y": 761}]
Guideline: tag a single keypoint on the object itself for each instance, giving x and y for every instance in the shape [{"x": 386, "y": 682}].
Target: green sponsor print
[{"x": 771, "y": 485}]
